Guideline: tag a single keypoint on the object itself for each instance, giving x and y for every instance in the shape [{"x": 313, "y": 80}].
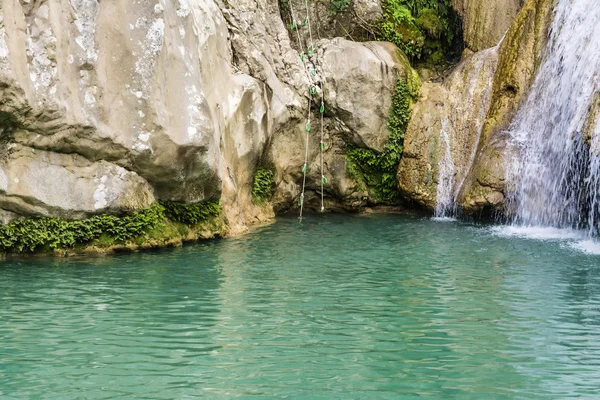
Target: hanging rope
[
  {"x": 294, "y": 26},
  {"x": 310, "y": 48},
  {"x": 312, "y": 91},
  {"x": 322, "y": 148},
  {"x": 305, "y": 167}
]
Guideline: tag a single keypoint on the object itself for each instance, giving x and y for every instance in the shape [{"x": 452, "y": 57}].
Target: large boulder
[
  {"x": 358, "y": 81},
  {"x": 35, "y": 182},
  {"x": 151, "y": 91}
]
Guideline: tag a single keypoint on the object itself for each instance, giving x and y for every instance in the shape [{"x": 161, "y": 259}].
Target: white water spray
[{"x": 556, "y": 175}]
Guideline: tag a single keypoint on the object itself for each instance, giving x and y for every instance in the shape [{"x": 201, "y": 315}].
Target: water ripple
[{"x": 335, "y": 308}]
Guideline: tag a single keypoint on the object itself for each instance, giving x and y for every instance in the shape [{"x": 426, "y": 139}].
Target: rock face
[
  {"x": 350, "y": 19},
  {"x": 485, "y": 22},
  {"x": 455, "y": 146},
  {"x": 358, "y": 80},
  {"x": 88, "y": 80},
  {"x": 108, "y": 106},
  {"x": 444, "y": 131}
]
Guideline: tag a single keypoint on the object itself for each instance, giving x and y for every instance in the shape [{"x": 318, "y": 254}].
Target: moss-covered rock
[
  {"x": 457, "y": 109},
  {"x": 427, "y": 31},
  {"x": 376, "y": 171},
  {"x": 263, "y": 185},
  {"x": 473, "y": 108}
]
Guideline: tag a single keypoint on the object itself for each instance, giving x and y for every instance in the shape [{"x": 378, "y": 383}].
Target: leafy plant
[
  {"x": 263, "y": 185},
  {"x": 337, "y": 6},
  {"x": 191, "y": 214},
  {"x": 31, "y": 234},
  {"x": 48, "y": 233}
]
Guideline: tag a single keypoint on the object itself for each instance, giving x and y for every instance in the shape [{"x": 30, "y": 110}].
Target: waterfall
[
  {"x": 445, "y": 206},
  {"x": 555, "y": 137},
  {"x": 462, "y": 122}
]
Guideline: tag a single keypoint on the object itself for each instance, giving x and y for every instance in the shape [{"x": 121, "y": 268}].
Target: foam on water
[
  {"x": 570, "y": 238},
  {"x": 587, "y": 246},
  {"x": 537, "y": 232},
  {"x": 444, "y": 219}
]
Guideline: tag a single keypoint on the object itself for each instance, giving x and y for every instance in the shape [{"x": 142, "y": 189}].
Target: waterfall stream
[
  {"x": 556, "y": 134},
  {"x": 445, "y": 187},
  {"x": 461, "y": 127}
]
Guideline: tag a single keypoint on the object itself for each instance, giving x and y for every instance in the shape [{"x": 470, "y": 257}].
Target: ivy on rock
[
  {"x": 262, "y": 186},
  {"x": 376, "y": 171}
]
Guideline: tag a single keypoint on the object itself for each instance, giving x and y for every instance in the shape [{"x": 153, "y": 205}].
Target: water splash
[{"x": 556, "y": 169}]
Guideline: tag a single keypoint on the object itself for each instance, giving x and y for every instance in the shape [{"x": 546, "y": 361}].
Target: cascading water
[
  {"x": 556, "y": 134},
  {"x": 462, "y": 126},
  {"x": 445, "y": 188}
]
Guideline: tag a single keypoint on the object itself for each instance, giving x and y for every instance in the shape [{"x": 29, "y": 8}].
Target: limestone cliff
[{"x": 109, "y": 106}]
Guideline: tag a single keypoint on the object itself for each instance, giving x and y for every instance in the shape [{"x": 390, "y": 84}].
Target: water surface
[{"x": 340, "y": 307}]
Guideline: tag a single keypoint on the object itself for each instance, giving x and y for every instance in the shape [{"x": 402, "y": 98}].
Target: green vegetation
[
  {"x": 191, "y": 214},
  {"x": 337, "y": 6},
  {"x": 375, "y": 170},
  {"x": 263, "y": 185},
  {"x": 428, "y": 31},
  {"x": 156, "y": 222}
]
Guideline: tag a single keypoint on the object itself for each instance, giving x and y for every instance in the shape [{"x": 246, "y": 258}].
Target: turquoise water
[{"x": 341, "y": 307}]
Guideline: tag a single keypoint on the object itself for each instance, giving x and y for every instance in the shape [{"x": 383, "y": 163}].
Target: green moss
[
  {"x": 376, "y": 171},
  {"x": 263, "y": 185},
  {"x": 156, "y": 222},
  {"x": 337, "y": 6},
  {"x": 431, "y": 23},
  {"x": 410, "y": 24}
]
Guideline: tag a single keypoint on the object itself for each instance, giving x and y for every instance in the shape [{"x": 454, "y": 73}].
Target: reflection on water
[{"x": 378, "y": 307}]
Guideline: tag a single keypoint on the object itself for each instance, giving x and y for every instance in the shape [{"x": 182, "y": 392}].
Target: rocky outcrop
[
  {"x": 358, "y": 82},
  {"x": 455, "y": 146},
  {"x": 107, "y": 107},
  {"x": 157, "y": 95},
  {"x": 447, "y": 121},
  {"x": 485, "y": 22},
  {"x": 87, "y": 79}
]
